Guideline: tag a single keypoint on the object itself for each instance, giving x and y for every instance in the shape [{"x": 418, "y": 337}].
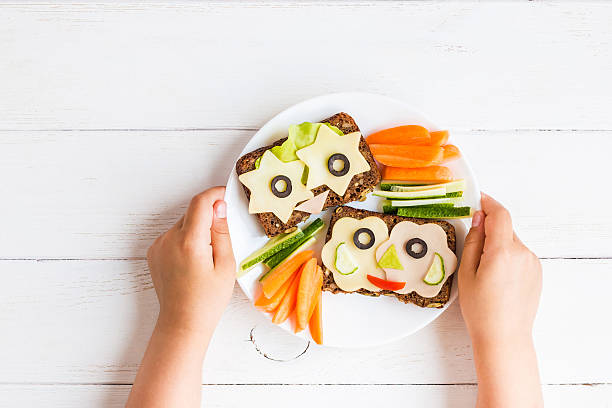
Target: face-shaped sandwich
[
  {"x": 351, "y": 252},
  {"x": 415, "y": 249}
]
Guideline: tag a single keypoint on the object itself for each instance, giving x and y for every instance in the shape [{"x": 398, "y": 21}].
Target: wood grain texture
[
  {"x": 108, "y": 194},
  {"x": 89, "y": 321},
  {"x": 297, "y": 396},
  {"x": 475, "y": 65}
]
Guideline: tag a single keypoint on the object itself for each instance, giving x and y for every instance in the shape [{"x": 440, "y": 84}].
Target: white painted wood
[
  {"x": 89, "y": 321},
  {"x": 298, "y": 396},
  {"x": 109, "y": 194},
  {"x": 473, "y": 65}
]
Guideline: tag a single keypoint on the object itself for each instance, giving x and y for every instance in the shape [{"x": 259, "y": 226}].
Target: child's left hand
[{"x": 192, "y": 266}]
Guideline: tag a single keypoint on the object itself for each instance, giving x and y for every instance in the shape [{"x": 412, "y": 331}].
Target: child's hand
[
  {"x": 192, "y": 266},
  {"x": 500, "y": 281}
]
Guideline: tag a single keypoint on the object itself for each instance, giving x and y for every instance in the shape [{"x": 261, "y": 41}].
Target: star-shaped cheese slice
[
  {"x": 317, "y": 155},
  {"x": 259, "y": 182}
]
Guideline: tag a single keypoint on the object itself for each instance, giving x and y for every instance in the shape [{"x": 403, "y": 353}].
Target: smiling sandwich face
[{"x": 416, "y": 248}]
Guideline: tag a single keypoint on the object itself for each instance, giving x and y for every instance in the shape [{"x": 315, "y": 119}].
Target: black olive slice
[
  {"x": 358, "y": 243},
  {"x": 345, "y": 168},
  {"x": 281, "y": 194},
  {"x": 414, "y": 241}
]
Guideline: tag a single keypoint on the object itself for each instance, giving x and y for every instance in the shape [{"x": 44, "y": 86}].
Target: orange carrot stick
[
  {"x": 270, "y": 304},
  {"x": 439, "y": 138},
  {"x": 407, "y": 156},
  {"x": 317, "y": 293},
  {"x": 451, "y": 152},
  {"x": 432, "y": 174},
  {"x": 316, "y": 327},
  {"x": 306, "y": 293},
  {"x": 287, "y": 305},
  {"x": 279, "y": 275},
  {"x": 401, "y": 135}
]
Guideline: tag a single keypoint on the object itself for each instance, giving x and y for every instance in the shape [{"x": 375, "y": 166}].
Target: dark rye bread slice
[
  {"x": 361, "y": 184},
  {"x": 438, "y": 301}
]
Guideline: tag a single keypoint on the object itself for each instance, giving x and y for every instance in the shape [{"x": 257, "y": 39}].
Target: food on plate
[
  {"x": 401, "y": 135},
  {"x": 338, "y": 163},
  {"x": 420, "y": 175},
  {"x": 299, "y": 294},
  {"x": 272, "y": 247},
  {"x": 451, "y": 186},
  {"x": 412, "y": 153},
  {"x": 436, "y": 273},
  {"x": 308, "y": 238},
  {"x": 345, "y": 262},
  {"x": 415, "y": 241},
  {"x": 435, "y": 212},
  {"x": 410, "y": 156},
  {"x": 274, "y": 279}
]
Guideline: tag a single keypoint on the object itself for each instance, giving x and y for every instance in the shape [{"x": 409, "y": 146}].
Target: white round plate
[{"x": 349, "y": 320}]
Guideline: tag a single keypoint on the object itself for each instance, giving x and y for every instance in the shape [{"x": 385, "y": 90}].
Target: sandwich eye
[
  {"x": 281, "y": 186},
  {"x": 416, "y": 248},
  {"x": 334, "y": 162},
  {"x": 364, "y": 238}
]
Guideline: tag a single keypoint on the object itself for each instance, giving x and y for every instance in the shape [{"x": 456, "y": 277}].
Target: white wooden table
[{"x": 112, "y": 115}]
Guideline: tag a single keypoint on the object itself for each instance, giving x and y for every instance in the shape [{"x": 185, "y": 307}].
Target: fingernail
[
  {"x": 477, "y": 219},
  {"x": 221, "y": 209}
]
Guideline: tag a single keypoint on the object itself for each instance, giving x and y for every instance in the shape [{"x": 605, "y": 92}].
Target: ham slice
[{"x": 315, "y": 204}]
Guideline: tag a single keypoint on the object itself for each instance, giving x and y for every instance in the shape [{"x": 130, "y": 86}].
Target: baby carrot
[
  {"x": 309, "y": 286},
  {"x": 451, "y": 152},
  {"x": 401, "y": 135},
  {"x": 279, "y": 275},
  {"x": 432, "y": 174},
  {"x": 287, "y": 305},
  {"x": 316, "y": 327}
]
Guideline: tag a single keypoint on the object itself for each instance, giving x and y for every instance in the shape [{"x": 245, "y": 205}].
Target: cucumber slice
[
  {"x": 310, "y": 230},
  {"x": 386, "y": 185},
  {"x": 435, "y": 274},
  {"x": 273, "y": 246},
  {"x": 417, "y": 195},
  {"x": 451, "y": 186},
  {"x": 304, "y": 245},
  {"x": 345, "y": 263},
  {"x": 389, "y": 209},
  {"x": 435, "y": 212},
  {"x": 427, "y": 201},
  {"x": 390, "y": 259}
]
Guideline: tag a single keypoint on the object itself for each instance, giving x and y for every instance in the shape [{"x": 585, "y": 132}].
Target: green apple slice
[
  {"x": 345, "y": 262},
  {"x": 435, "y": 274},
  {"x": 390, "y": 259}
]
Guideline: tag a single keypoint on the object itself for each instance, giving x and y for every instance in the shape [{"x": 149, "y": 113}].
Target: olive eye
[
  {"x": 281, "y": 186},
  {"x": 416, "y": 248},
  {"x": 360, "y": 234},
  {"x": 333, "y": 162}
]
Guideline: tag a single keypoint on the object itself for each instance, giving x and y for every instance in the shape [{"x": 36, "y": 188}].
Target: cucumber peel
[
  {"x": 345, "y": 262},
  {"x": 435, "y": 275},
  {"x": 425, "y": 201},
  {"x": 451, "y": 186},
  {"x": 299, "y": 248},
  {"x": 434, "y": 212}
]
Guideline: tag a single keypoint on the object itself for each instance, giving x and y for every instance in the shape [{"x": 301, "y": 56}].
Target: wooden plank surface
[
  {"x": 108, "y": 194},
  {"x": 88, "y": 322},
  {"x": 473, "y": 65},
  {"x": 298, "y": 396}
]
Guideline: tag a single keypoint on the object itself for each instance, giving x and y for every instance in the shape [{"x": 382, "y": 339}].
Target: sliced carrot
[
  {"x": 279, "y": 275},
  {"x": 439, "y": 137},
  {"x": 306, "y": 293},
  {"x": 270, "y": 304},
  {"x": 315, "y": 324},
  {"x": 406, "y": 155},
  {"x": 432, "y": 174},
  {"x": 287, "y": 305},
  {"x": 451, "y": 152},
  {"x": 401, "y": 135},
  {"x": 319, "y": 287}
]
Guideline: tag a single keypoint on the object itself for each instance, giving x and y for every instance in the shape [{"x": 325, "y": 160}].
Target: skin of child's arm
[
  {"x": 193, "y": 270},
  {"x": 500, "y": 282}
]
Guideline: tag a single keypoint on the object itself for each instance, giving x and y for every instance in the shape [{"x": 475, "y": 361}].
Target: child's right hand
[{"x": 500, "y": 279}]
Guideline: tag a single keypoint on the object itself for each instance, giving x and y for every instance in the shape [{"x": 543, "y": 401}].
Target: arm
[
  {"x": 192, "y": 267},
  {"x": 500, "y": 282}
]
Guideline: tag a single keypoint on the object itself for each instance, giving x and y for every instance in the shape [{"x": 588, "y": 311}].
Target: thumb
[
  {"x": 474, "y": 243},
  {"x": 223, "y": 256}
]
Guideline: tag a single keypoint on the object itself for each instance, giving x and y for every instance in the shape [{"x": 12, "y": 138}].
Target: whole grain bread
[
  {"x": 391, "y": 220},
  {"x": 361, "y": 184}
]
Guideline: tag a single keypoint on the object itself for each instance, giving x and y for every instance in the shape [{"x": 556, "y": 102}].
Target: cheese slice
[
  {"x": 317, "y": 155},
  {"x": 259, "y": 181},
  {"x": 314, "y": 205},
  {"x": 414, "y": 270}
]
